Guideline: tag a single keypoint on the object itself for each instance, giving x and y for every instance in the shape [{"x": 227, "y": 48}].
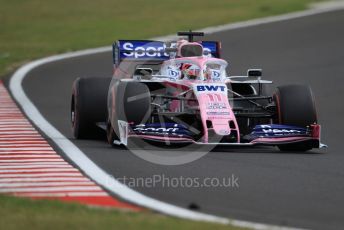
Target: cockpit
[{"x": 200, "y": 69}]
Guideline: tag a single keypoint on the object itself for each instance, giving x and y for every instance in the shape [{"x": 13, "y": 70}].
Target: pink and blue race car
[{"x": 180, "y": 92}]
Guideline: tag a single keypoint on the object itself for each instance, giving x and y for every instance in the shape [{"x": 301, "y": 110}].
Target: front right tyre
[{"x": 295, "y": 106}]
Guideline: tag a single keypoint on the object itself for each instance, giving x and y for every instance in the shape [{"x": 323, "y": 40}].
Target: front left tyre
[
  {"x": 88, "y": 106},
  {"x": 132, "y": 104}
]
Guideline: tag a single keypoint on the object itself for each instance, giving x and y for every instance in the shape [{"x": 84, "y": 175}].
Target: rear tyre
[
  {"x": 88, "y": 106},
  {"x": 295, "y": 106}
]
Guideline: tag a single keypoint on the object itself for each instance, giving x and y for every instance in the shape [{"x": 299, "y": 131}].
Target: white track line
[{"x": 98, "y": 174}]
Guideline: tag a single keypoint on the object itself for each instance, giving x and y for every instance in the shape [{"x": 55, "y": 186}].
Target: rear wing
[{"x": 146, "y": 50}]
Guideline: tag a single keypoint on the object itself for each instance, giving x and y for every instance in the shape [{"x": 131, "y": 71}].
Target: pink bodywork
[
  {"x": 221, "y": 116},
  {"x": 214, "y": 107}
]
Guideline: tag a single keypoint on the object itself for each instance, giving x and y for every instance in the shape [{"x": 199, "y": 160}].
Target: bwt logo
[
  {"x": 212, "y": 88},
  {"x": 144, "y": 51}
]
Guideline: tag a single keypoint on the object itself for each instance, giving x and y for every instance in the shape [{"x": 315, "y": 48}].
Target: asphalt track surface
[{"x": 291, "y": 189}]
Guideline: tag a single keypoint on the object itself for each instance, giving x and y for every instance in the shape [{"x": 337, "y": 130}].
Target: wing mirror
[
  {"x": 254, "y": 72},
  {"x": 143, "y": 73}
]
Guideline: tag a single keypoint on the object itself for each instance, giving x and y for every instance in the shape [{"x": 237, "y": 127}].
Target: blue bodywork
[
  {"x": 152, "y": 50},
  {"x": 162, "y": 129},
  {"x": 272, "y": 130}
]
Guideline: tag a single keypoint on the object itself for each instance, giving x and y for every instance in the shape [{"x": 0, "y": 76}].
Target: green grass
[
  {"x": 21, "y": 213},
  {"x": 37, "y": 28}
]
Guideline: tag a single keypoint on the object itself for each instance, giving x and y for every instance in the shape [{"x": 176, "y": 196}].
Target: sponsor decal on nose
[{"x": 211, "y": 88}]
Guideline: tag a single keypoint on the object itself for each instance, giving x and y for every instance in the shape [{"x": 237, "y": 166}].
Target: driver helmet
[{"x": 189, "y": 71}]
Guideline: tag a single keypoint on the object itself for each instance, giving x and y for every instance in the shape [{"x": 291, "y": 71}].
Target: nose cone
[
  {"x": 221, "y": 127},
  {"x": 214, "y": 106}
]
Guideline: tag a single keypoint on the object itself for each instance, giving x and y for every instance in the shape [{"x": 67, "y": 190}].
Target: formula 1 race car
[{"x": 180, "y": 92}]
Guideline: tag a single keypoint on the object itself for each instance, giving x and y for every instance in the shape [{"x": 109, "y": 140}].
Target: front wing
[{"x": 268, "y": 135}]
